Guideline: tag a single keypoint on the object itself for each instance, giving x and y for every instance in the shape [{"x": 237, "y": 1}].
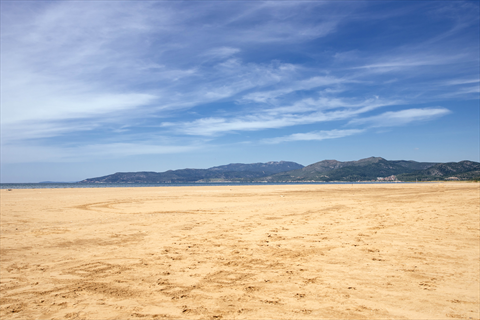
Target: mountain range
[
  {"x": 373, "y": 168},
  {"x": 230, "y": 172}
]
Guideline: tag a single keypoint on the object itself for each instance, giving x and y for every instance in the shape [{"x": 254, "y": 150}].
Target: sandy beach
[{"x": 381, "y": 251}]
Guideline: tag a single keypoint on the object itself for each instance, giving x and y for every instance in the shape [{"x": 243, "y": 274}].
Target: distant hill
[
  {"x": 327, "y": 170},
  {"x": 271, "y": 167},
  {"x": 463, "y": 170},
  {"x": 230, "y": 172},
  {"x": 361, "y": 170}
]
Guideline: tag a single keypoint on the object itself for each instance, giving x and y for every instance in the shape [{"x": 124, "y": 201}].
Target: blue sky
[{"x": 90, "y": 88}]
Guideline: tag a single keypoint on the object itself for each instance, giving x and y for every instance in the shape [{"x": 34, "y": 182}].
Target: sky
[{"x": 90, "y": 88}]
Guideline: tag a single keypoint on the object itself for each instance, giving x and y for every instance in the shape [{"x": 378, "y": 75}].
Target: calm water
[{"x": 130, "y": 185}]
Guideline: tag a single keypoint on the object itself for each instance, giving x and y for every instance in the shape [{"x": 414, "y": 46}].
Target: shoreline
[{"x": 20, "y": 186}]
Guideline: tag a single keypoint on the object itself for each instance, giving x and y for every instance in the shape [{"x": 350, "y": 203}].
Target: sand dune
[{"x": 243, "y": 252}]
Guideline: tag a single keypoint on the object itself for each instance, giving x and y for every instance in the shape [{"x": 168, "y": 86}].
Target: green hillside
[
  {"x": 363, "y": 170},
  {"x": 463, "y": 170}
]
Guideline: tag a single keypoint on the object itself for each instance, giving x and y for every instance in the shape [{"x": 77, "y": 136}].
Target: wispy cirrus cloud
[
  {"x": 403, "y": 63},
  {"x": 41, "y": 153},
  {"x": 314, "y": 136},
  {"x": 221, "y": 52},
  {"x": 400, "y": 118},
  {"x": 460, "y": 82},
  {"x": 108, "y": 71},
  {"x": 305, "y": 112},
  {"x": 386, "y": 119},
  {"x": 293, "y": 86}
]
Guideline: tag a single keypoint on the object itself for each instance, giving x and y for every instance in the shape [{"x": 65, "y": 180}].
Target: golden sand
[{"x": 242, "y": 252}]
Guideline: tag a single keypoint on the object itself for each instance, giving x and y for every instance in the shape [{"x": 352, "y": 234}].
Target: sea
[{"x": 159, "y": 185}]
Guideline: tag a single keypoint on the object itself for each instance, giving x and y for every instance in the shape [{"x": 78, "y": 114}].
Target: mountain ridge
[
  {"x": 230, "y": 172},
  {"x": 367, "y": 169},
  {"x": 463, "y": 170},
  {"x": 364, "y": 170}
]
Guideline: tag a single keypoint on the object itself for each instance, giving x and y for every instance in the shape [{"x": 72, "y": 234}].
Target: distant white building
[{"x": 390, "y": 178}]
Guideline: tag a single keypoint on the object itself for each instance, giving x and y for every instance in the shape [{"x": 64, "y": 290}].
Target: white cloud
[
  {"x": 38, "y": 109},
  {"x": 19, "y": 132},
  {"x": 48, "y": 106},
  {"x": 310, "y": 112},
  {"x": 60, "y": 65},
  {"x": 279, "y": 22},
  {"x": 40, "y": 153},
  {"x": 306, "y": 84},
  {"x": 327, "y": 103},
  {"x": 403, "y": 62},
  {"x": 222, "y": 52},
  {"x": 460, "y": 82},
  {"x": 79, "y": 66},
  {"x": 464, "y": 92},
  {"x": 399, "y": 118},
  {"x": 313, "y": 136}
]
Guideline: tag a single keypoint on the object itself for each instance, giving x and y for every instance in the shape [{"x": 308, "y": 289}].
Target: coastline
[{"x": 72, "y": 185}]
